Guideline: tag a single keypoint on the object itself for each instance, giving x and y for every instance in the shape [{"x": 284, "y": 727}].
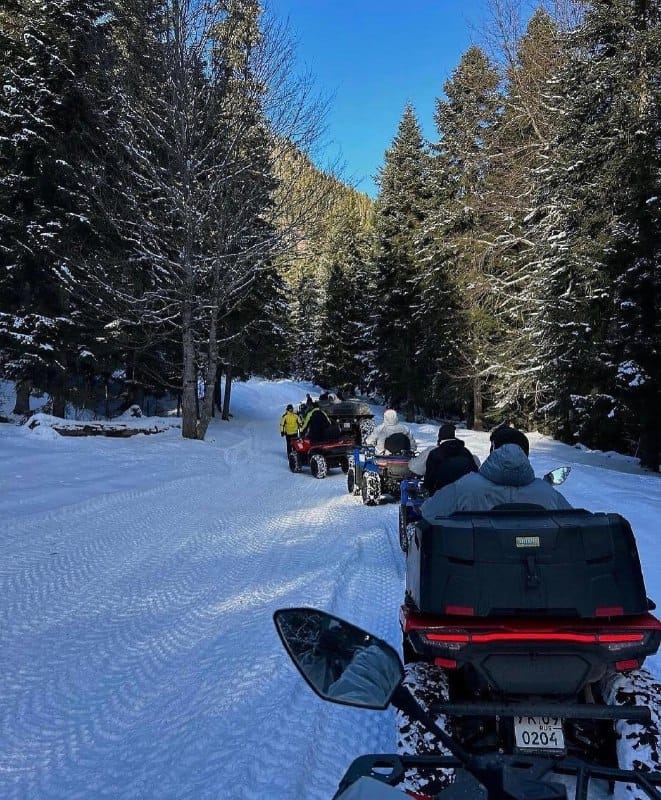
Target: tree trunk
[
  {"x": 228, "y": 392},
  {"x": 189, "y": 388},
  {"x": 216, "y": 392},
  {"x": 210, "y": 378},
  {"x": 649, "y": 443},
  {"x": 58, "y": 396},
  {"x": 477, "y": 403},
  {"x": 22, "y": 405}
]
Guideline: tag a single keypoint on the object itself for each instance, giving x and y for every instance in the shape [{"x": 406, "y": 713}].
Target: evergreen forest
[{"x": 163, "y": 223}]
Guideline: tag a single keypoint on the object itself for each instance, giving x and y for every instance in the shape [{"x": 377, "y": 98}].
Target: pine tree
[
  {"x": 599, "y": 333},
  {"x": 399, "y": 216},
  {"x": 461, "y": 221},
  {"x": 306, "y": 306},
  {"x": 342, "y": 341},
  {"x": 53, "y": 126},
  {"x": 521, "y": 139}
]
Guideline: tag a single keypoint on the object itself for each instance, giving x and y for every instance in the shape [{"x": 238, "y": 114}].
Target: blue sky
[{"x": 374, "y": 56}]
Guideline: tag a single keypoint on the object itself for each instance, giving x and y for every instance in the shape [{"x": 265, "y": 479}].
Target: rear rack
[{"x": 638, "y": 714}]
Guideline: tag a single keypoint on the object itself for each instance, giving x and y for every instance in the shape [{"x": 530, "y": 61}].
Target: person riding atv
[
  {"x": 389, "y": 427},
  {"x": 505, "y": 477},
  {"x": 445, "y": 463},
  {"x": 317, "y": 426}
]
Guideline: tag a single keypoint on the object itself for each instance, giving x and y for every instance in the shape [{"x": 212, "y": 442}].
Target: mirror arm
[{"x": 404, "y": 701}]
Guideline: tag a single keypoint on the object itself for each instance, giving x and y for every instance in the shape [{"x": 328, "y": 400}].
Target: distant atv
[
  {"x": 378, "y": 477},
  {"x": 353, "y": 417},
  {"x": 321, "y": 456}
]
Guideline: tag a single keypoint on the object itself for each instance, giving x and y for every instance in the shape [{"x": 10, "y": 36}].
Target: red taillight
[
  {"x": 460, "y": 611},
  {"x": 580, "y": 638},
  {"x": 448, "y": 663},
  {"x": 448, "y": 637},
  {"x": 453, "y": 639},
  {"x": 609, "y": 611},
  {"x": 632, "y": 663}
]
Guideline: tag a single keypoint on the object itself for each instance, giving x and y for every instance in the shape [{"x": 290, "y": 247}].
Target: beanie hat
[
  {"x": 390, "y": 417},
  {"x": 510, "y": 436},
  {"x": 446, "y": 431}
]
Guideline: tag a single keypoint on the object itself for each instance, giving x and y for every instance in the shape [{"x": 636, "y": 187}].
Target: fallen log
[{"x": 103, "y": 430}]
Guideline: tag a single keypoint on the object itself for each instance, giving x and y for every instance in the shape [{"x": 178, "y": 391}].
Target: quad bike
[
  {"x": 344, "y": 664},
  {"x": 412, "y": 495},
  {"x": 353, "y": 417},
  {"x": 529, "y": 629},
  {"x": 377, "y": 478},
  {"x": 320, "y": 456}
]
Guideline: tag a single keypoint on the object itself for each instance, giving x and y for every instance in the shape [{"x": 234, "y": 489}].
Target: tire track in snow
[
  {"x": 366, "y": 574},
  {"x": 126, "y": 650}
]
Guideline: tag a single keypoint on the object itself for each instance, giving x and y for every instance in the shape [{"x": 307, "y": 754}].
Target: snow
[{"x": 139, "y": 578}]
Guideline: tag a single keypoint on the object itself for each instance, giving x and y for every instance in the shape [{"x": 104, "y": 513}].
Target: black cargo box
[{"x": 504, "y": 562}]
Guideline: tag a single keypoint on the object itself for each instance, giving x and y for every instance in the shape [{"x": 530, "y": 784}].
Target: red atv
[
  {"x": 530, "y": 628},
  {"x": 321, "y": 456}
]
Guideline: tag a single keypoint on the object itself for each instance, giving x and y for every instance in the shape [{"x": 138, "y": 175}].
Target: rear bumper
[{"x": 533, "y": 656}]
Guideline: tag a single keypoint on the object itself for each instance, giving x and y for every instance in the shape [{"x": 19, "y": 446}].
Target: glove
[{"x": 282, "y": 433}]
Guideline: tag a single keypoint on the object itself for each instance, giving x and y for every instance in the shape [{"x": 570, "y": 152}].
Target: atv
[
  {"x": 412, "y": 495},
  {"x": 348, "y": 665},
  {"x": 530, "y": 628},
  {"x": 353, "y": 417},
  {"x": 320, "y": 456},
  {"x": 378, "y": 477}
]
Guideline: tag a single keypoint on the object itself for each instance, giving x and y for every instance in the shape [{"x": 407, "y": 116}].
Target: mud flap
[
  {"x": 429, "y": 686},
  {"x": 638, "y": 746}
]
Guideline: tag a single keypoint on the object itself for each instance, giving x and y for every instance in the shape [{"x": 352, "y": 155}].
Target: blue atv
[
  {"x": 378, "y": 477},
  {"x": 412, "y": 495}
]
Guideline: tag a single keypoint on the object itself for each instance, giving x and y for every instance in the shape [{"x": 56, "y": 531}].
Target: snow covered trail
[
  {"x": 138, "y": 580},
  {"x": 139, "y": 655}
]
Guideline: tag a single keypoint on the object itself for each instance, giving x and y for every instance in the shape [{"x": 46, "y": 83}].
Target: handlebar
[{"x": 498, "y": 777}]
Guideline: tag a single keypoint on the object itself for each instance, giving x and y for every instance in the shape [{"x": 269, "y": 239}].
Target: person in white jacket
[{"x": 390, "y": 425}]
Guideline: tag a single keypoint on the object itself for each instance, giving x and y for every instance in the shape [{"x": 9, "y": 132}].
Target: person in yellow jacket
[{"x": 290, "y": 423}]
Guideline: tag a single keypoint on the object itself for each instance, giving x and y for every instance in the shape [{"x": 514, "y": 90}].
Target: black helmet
[{"x": 290, "y": 407}]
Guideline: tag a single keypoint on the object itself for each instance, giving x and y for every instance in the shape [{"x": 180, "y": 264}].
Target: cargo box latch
[{"x": 532, "y": 576}]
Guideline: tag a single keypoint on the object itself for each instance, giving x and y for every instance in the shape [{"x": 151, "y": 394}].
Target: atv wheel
[
  {"x": 344, "y": 465},
  {"x": 371, "y": 489},
  {"x": 403, "y": 538},
  {"x": 294, "y": 462},
  {"x": 635, "y": 742},
  {"x": 318, "y": 466},
  {"x": 353, "y": 485},
  {"x": 429, "y": 685}
]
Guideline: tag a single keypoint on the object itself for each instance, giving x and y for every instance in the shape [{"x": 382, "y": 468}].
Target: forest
[{"x": 163, "y": 223}]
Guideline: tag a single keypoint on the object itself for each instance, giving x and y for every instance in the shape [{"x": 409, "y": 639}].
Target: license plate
[{"x": 539, "y": 733}]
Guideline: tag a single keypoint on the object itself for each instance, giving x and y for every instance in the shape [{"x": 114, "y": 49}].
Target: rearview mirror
[
  {"x": 557, "y": 476},
  {"x": 342, "y": 663}
]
